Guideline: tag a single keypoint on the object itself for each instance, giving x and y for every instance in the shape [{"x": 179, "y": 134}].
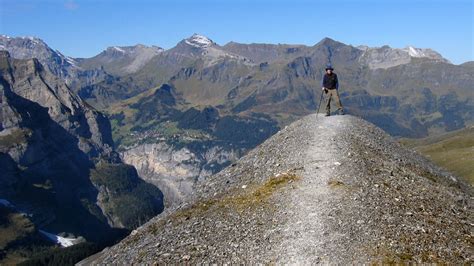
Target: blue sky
[{"x": 84, "y": 28}]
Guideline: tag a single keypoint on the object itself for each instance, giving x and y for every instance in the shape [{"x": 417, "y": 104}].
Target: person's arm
[
  {"x": 337, "y": 83},
  {"x": 322, "y": 82}
]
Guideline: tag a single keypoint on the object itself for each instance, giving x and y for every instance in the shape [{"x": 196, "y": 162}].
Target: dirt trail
[{"x": 306, "y": 237}]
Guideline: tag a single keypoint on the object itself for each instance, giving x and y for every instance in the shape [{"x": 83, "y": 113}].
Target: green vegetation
[
  {"x": 63, "y": 256},
  {"x": 129, "y": 198},
  {"x": 13, "y": 226},
  {"x": 240, "y": 200},
  {"x": 453, "y": 151},
  {"x": 197, "y": 123},
  {"x": 254, "y": 196},
  {"x": 19, "y": 239},
  {"x": 336, "y": 183},
  {"x": 93, "y": 209},
  {"x": 117, "y": 178}
]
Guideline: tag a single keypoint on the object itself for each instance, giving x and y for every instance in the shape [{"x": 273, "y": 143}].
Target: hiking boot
[
  {"x": 328, "y": 114},
  {"x": 341, "y": 112}
]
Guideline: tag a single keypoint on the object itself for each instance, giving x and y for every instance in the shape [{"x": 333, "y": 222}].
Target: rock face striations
[
  {"x": 323, "y": 190},
  {"x": 57, "y": 160}
]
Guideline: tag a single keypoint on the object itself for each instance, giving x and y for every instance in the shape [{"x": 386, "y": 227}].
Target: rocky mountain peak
[
  {"x": 386, "y": 56},
  {"x": 199, "y": 41},
  {"x": 130, "y": 50},
  {"x": 24, "y": 47},
  {"x": 121, "y": 60},
  {"x": 199, "y": 46},
  {"x": 27, "y": 47},
  {"x": 115, "y": 49},
  {"x": 31, "y": 47},
  {"x": 29, "y": 39},
  {"x": 328, "y": 42},
  {"x": 424, "y": 53}
]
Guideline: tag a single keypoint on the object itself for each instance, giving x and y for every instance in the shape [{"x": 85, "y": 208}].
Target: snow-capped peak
[
  {"x": 118, "y": 49},
  {"x": 415, "y": 52},
  {"x": 199, "y": 41}
]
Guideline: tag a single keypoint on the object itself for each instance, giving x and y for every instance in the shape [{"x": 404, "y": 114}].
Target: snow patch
[
  {"x": 118, "y": 49},
  {"x": 70, "y": 60},
  {"x": 414, "y": 52},
  {"x": 199, "y": 41},
  {"x": 63, "y": 241},
  {"x": 34, "y": 40}
]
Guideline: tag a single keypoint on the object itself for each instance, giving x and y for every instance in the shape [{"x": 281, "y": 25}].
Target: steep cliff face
[
  {"x": 28, "y": 81},
  {"x": 57, "y": 160},
  {"x": 176, "y": 171},
  {"x": 334, "y": 190}
]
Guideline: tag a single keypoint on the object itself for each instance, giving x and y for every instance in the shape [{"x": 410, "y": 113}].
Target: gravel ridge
[{"x": 325, "y": 190}]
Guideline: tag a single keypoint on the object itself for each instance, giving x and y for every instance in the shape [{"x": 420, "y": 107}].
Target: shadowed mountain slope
[{"x": 58, "y": 165}]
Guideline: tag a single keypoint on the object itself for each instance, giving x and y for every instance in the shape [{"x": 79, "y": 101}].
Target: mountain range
[
  {"x": 179, "y": 115},
  {"x": 213, "y": 103},
  {"x": 197, "y": 64}
]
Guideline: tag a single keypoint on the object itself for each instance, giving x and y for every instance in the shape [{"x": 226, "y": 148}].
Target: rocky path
[
  {"x": 306, "y": 238},
  {"x": 332, "y": 190}
]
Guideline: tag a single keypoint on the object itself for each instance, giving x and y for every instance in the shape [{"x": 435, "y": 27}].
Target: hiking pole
[{"x": 320, "y": 101}]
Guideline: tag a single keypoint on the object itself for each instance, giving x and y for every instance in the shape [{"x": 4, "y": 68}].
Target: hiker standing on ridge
[{"x": 330, "y": 85}]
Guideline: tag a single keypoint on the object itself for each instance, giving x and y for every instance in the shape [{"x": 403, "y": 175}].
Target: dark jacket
[{"x": 330, "y": 81}]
